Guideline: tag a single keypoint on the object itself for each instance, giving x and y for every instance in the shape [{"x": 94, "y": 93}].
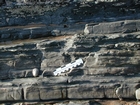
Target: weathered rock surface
[
  {"x": 113, "y": 27},
  {"x": 86, "y": 87},
  {"x": 110, "y": 60},
  {"x": 109, "y": 47},
  {"x": 11, "y": 94}
]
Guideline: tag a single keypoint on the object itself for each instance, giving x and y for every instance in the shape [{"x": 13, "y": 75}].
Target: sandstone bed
[{"x": 105, "y": 35}]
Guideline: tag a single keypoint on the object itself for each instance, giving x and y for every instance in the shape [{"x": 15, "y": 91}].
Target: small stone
[
  {"x": 116, "y": 45},
  {"x": 86, "y": 31},
  {"x": 137, "y": 93},
  {"x": 56, "y": 32},
  {"x": 138, "y": 37},
  {"x": 35, "y": 72}
]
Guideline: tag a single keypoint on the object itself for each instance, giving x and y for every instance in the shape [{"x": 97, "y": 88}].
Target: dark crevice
[{"x": 22, "y": 93}]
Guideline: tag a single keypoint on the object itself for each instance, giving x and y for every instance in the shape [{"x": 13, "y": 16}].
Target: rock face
[
  {"x": 113, "y": 27},
  {"x": 109, "y": 60},
  {"x": 110, "y": 51}
]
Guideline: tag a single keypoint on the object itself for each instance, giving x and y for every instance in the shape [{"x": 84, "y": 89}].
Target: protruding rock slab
[
  {"x": 11, "y": 94},
  {"x": 113, "y": 27},
  {"x": 85, "y": 92},
  {"x": 80, "y": 87},
  {"x": 44, "y": 93}
]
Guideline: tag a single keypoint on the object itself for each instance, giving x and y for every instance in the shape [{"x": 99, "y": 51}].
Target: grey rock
[
  {"x": 20, "y": 21},
  {"x": 5, "y": 67},
  {"x": 130, "y": 26},
  {"x": 124, "y": 92},
  {"x": 85, "y": 92},
  {"x": 5, "y": 36},
  {"x": 22, "y": 60},
  {"x": 39, "y": 32},
  {"x": 44, "y": 93},
  {"x": 16, "y": 20},
  {"x": 35, "y": 72},
  {"x": 31, "y": 93},
  {"x": 56, "y": 32},
  {"x": 24, "y": 34},
  {"x": 138, "y": 37},
  {"x": 11, "y": 20},
  {"x": 56, "y": 62},
  {"x": 107, "y": 87},
  {"x": 113, "y": 27},
  {"x": 109, "y": 59},
  {"x": 14, "y": 66},
  {"x": 4, "y": 75},
  {"x": 16, "y": 74},
  {"x": 51, "y": 46},
  {"x": 100, "y": 60},
  {"x": 28, "y": 73},
  {"x": 55, "y": 80},
  {"x": 47, "y": 73},
  {"x": 80, "y": 87},
  {"x": 112, "y": 71},
  {"x": 9, "y": 3},
  {"x": 52, "y": 93},
  {"x": 74, "y": 29},
  {"x": 76, "y": 72},
  {"x": 10, "y": 94},
  {"x": 137, "y": 25},
  {"x": 3, "y": 21},
  {"x": 137, "y": 94},
  {"x": 88, "y": 29},
  {"x": 107, "y": 28}
]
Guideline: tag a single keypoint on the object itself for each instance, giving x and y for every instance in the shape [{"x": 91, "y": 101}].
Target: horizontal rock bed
[
  {"x": 65, "y": 88},
  {"x": 36, "y": 38},
  {"x": 111, "y": 61}
]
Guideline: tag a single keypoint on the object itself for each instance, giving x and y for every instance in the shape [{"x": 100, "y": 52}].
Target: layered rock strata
[
  {"x": 111, "y": 60},
  {"x": 45, "y": 35},
  {"x": 66, "y": 12}
]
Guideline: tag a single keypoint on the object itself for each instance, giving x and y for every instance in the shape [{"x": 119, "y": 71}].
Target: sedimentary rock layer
[{"x": 111, "y": 62}]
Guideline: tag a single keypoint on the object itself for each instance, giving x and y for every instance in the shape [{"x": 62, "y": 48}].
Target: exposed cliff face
[{"x": 107, "y": 40}]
